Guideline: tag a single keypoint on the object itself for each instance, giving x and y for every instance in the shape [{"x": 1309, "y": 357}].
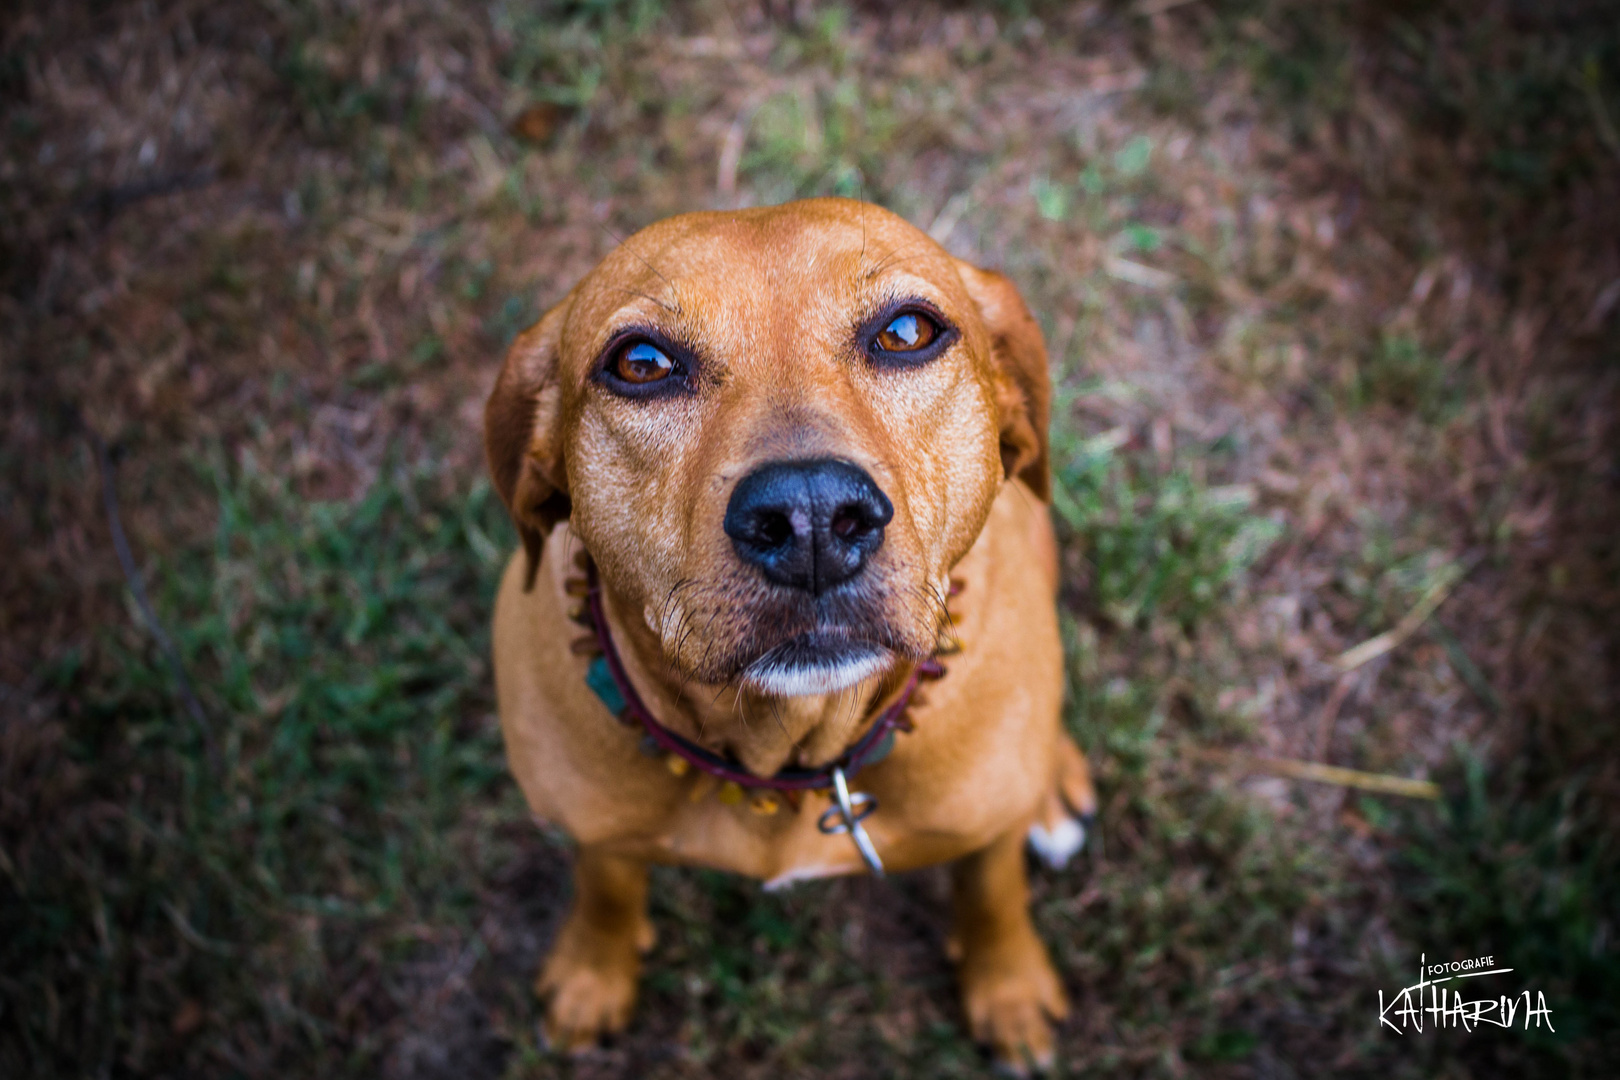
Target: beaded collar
[{"x": 606, "y": 677}]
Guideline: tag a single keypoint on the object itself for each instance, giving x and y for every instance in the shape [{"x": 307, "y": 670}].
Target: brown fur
[{"x": 768, "y": 300}]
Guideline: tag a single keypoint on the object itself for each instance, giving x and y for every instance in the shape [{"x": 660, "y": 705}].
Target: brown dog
[{"x": 754, "y": 452}]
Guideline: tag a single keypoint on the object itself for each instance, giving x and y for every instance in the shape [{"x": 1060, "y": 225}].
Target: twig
[
  {"x": 137, "y": 588},
  {"x": 1157, "y": 7},
  {"x": 1592, "y": 84},
  {"x": 1330, "y": 714},
  {"x": 480, "y": 113},
  {"x": 110, "y": 201},
  {"x": 1374, "y": 647},
  {"x": 189, "y": 932},
  {"x": 731, "y": 147},
  {"x": 1137, "y": 274},
  {"x": 949, "y": 214},
  {"x": 1325, "y": 774},
  {"x": 1465, "y": 667}
]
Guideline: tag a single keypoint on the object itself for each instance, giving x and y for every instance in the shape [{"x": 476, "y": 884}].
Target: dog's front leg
[
  {"x": 1009, "y": 989},
  {"x": 590, "y": 976}
]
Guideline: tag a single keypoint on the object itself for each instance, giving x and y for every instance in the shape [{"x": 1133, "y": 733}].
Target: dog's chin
[{"x": 815, "y": 663}]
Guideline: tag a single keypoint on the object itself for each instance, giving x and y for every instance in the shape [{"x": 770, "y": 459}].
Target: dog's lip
[{"x": 822, "y": 660}]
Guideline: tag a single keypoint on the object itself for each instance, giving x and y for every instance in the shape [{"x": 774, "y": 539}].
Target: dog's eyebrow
[
  {"x": 672, "y": 308},
  {"x": 893, "y": 258},
  {"x": 622, "y": 242}
]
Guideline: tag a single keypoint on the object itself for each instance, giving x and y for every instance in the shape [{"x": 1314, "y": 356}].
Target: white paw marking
[
  {"x": 803, "y": 873},
  {"x": 1056, "y": 846}
]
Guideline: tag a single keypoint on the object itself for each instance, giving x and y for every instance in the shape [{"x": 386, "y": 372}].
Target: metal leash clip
[{"x": 846, "y": 817}]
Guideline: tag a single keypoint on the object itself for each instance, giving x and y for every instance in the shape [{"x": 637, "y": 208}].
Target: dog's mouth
[{"x": 820, "y": 661}]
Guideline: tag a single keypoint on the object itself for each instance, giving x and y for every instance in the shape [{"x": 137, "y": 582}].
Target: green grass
[
  {"x": 1401, "y": 373},
  {"x": 1156, "y": 548},
  {"x": 1491, "y": 873},
  {"x": 340, "y": 651}
]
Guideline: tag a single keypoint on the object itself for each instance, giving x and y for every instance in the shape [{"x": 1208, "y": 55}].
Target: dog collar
[{"x": 607, "y": 678}]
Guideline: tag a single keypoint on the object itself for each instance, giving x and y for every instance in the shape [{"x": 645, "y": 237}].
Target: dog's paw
[
  {"x": 1063, "y": 823},
  {"x": 1012, "y": 996},
  {"x": 589, "y": 988},
  {"x": 1057, "y": 842}
]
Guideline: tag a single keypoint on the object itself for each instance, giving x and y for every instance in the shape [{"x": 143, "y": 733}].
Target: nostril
[
  {"x": 772, "y": 529},
  {"x": 851, "y": 523}
]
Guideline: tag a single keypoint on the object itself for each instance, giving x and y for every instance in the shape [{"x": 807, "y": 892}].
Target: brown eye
[
  {"x": 642, "y": 362},
  {"x": 908, "y": 333}
]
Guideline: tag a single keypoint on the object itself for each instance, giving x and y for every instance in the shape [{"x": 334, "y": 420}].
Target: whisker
[
  {"x": 568, "y": 549},
  {"x": 862, "y": 260},
  {"x": 708, "y": 650},
  {"x": 948, "y": 623},
  {"x": 851, "y": 701},
  {"x": 682, "y": 629},
  {"x": 669, "y": 597},
  {"x": 736, "y": 705}
]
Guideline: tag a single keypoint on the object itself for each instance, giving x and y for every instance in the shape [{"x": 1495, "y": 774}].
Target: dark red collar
[{"x": 868, "y": 749}]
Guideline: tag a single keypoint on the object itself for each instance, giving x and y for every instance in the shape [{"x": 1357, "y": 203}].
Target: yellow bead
[
  {"x": 764, "y": 805},
  {"x": 677, "y": 764},
  {"x": 731, "y": 793}
]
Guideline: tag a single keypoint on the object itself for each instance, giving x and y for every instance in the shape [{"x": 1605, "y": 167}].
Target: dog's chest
[
  {"x": 786, "y": 849},
  {"x": 948, "y": 788},
  {"x": 789, "y": 846}
]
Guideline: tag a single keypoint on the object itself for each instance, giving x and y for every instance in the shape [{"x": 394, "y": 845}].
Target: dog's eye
[
  {"x": 642, "y": 362},
  {"x": 908, "y": 335},
  {"x": 909, "y": 332}
]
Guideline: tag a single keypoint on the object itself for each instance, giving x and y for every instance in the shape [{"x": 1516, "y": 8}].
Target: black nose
[{"x": 808, "y": 525}]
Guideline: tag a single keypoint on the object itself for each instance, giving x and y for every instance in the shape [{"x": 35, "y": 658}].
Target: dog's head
[{"x": 776, "y": 430}]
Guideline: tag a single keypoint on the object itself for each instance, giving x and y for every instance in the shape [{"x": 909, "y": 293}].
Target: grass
[
  {"x": 1323, "y": 291},
  {"x": 1529, "y": 875},
  {"x": 1157, "y": 549},
  {"x": 341, "y": 650}
]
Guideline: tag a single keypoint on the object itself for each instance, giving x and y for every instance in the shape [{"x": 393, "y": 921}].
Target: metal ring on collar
[{"x": 851, "y": 809}]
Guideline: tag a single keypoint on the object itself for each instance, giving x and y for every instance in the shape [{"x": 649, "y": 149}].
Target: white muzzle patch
[{"x": 792, "y": 679}]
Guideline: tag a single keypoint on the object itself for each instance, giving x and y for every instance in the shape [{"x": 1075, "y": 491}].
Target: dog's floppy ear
[
  {"x": 522, "y": 436},
  {"x": 1024, "y": 385}
]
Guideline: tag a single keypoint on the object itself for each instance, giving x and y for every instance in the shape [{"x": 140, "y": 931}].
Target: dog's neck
[{"x": 763, "y": 733}]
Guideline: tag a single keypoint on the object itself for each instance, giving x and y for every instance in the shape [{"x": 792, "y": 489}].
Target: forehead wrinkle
[
  {"x": 704, "y": 270},
  {"x": 763, "y": 288},
  {"x": 672, "y": 305},
  {"x": 630, "y": 295},
  {"x": 658, "y": 261},
  {"x": 899, "y": 254}
]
